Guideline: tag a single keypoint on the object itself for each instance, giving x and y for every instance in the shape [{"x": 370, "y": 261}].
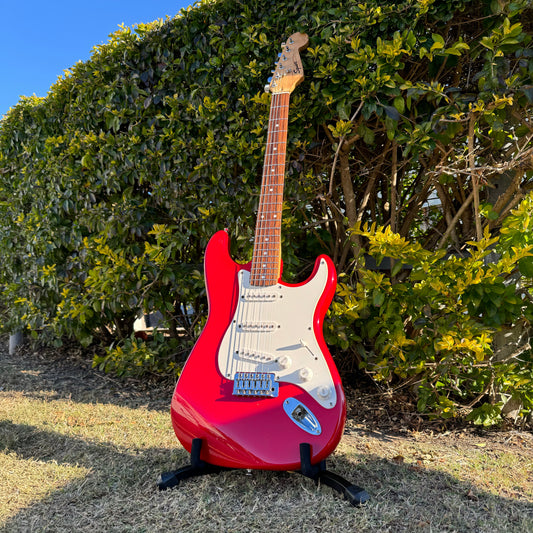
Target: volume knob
[{"x": 285, "y": 361}]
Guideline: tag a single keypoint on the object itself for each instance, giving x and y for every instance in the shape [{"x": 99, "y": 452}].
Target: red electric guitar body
[{"x": 260, "y": 380}]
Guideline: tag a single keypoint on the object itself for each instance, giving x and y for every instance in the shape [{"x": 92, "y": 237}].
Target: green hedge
[{"x": 413, "y": 115}]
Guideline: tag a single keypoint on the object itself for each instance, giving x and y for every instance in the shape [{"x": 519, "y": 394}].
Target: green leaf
[
  {"x": 525, "y": 265},
  {"x": 528, "y": 91},
  {"x": 392, "y": 112},
  {"x": 399, "y": 104},
  {"x": 344, "y": 110},
  {"x": 396, "y": 269},
  {"x": 378, "y": 298},
  {"x": 87, "y": 161}
]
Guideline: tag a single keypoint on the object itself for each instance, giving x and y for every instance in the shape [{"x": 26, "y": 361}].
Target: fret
[{"x": 264, "y": 203}]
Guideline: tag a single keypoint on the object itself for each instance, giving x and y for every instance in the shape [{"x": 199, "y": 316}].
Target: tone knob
[
  {"x": 285, "y": 361},
  {"x": 305, "y": 374}
]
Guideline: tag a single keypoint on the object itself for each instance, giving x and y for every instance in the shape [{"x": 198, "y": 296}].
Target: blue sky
[{"x": 41, "y": 39}]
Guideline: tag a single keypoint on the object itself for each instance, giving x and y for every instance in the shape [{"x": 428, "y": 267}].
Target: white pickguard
[{"x": 272, "y": 331}]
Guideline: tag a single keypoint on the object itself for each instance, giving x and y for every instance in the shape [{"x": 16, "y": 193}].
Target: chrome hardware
[
  {"x": 259, "y": 296},
  {"x": 258, "y": 327},
  {"x": 255, "y": 384},
  {"x": 256, "y": 357},
  {"x": 302, "y": 416},
  {"x": 267, "y": 88}
]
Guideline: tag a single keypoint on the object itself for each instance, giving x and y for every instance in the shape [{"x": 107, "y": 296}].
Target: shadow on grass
[
  {"x": 64, "y": 378},
  {"x": 119, "y": 493}
]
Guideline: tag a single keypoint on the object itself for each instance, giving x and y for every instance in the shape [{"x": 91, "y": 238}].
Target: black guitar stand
[
  {"x": 318, "y": 473},
  {"x": 167, "y": 480}
]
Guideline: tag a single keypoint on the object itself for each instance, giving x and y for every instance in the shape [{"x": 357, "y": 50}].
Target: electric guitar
[{"x": 260, "y": 380}]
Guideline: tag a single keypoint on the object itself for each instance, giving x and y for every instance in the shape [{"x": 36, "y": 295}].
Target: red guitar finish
[{"x": 260, "y": 379}]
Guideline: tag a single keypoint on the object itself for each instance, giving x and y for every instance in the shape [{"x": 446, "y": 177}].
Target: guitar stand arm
[
  {"x": 318, "y": 473},
  {"x": 167, "y": 480}
]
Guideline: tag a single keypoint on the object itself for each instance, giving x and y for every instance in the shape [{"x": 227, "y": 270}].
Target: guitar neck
[{"x": 266, "y": 260}]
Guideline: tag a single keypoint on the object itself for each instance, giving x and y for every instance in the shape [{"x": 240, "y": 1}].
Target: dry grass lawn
[{"x": 82, "y": 452}]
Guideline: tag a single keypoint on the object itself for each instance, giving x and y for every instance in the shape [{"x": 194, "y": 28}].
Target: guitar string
[
  {"x": 259, "y": 273},
  {"x": 276, "y": 178},
  {"x": 263, "y": 220},
  {"x": 273, "y": 173},
  {"x": 267, "y": 228},
  {"x": 269, "y": 167},
  {"x": 256, "y": 273}
]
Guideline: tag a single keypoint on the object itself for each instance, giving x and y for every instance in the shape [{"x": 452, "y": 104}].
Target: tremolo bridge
[{"x": 255, "y": 384}]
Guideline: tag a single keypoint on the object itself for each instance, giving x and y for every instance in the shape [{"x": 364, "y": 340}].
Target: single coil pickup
[
  {"x": 255, "y": 384},
  {"x": 259, "y": 296},
  {"x": 255, "y": 357},
  {"x": 259, "y": 327}
]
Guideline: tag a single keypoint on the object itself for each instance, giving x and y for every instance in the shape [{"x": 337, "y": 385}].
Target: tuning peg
[
  {"x": 269, "y": 79},
  {"x": 279, "y": 54},
  {"x": 267, "y": 88}
]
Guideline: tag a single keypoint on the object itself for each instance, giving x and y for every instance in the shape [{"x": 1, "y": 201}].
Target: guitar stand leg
[
  {"x": 197, "y": 467},
  {"x": 319, "y": 473}
]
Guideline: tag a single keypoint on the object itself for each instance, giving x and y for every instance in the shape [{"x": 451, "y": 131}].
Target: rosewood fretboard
[{"x": 266, "y": 261}]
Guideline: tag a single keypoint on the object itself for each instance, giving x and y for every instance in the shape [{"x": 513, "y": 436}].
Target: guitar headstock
[{"x": 289, "y": 71}]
